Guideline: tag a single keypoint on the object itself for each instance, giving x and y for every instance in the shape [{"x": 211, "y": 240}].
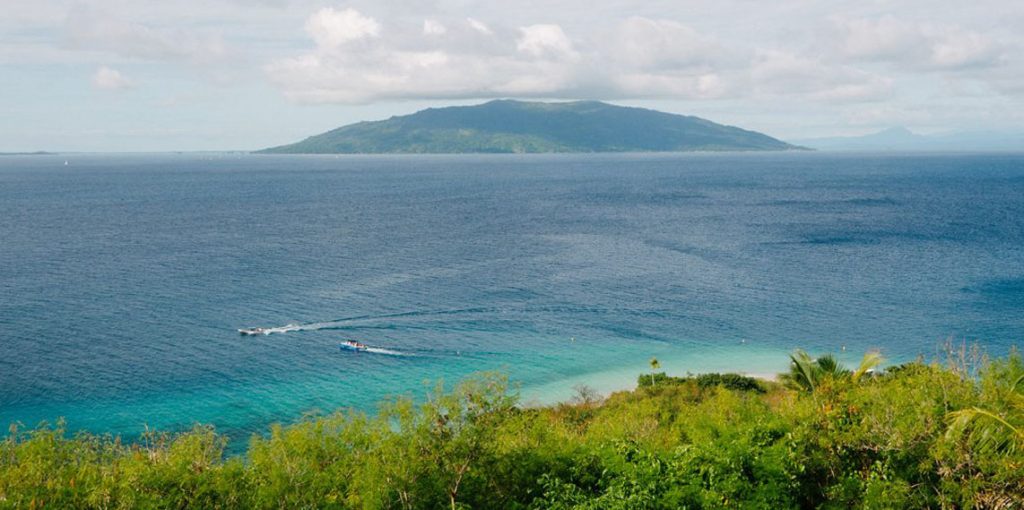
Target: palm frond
[
  {"x": 870, "y": 361},
  {"x": 1018, "y": 385},
  {"x": 829, "y": 365},
  {"x": 803, "y": 372},
  {"x": 985, "y": 431}
]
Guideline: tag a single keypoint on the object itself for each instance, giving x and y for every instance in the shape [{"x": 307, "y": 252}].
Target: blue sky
[{"x": 120, "y": 75}]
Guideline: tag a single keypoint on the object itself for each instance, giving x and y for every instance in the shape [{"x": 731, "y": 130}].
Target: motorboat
[
  {"x": 352, "y": 345},
  {"x": 253, "y": 331}
]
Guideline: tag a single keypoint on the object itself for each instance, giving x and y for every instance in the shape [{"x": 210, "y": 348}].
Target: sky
[{"x": 142, "y": 75}]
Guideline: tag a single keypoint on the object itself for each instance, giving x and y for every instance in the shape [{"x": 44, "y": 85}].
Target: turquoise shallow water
[{"x": 123, "y": 278}]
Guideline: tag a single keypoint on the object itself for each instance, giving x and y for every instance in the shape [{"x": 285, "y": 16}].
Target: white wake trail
[{"x": 389, "y": 352}]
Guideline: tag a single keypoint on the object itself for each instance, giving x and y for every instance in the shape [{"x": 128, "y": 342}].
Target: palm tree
[
  {"x": 993, "y": 431},
  {"x": 806, "y": 373},
  {"x": 654, "y": 366}
]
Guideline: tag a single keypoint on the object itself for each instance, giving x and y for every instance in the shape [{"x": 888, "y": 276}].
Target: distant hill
[
  {"x": 506, "y": 126},
  {"x": 902, "y": 139}
]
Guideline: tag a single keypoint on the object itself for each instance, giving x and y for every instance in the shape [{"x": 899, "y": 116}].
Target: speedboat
[
  {"x": 253, "y": 331},
  {"x": 352, "y": 345}
]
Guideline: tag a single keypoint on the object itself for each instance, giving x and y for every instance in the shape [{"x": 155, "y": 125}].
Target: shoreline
[{"x": 763, "y": 364}]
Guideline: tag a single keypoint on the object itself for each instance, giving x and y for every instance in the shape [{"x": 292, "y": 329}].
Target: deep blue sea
[{"x": 124, "y": 278}]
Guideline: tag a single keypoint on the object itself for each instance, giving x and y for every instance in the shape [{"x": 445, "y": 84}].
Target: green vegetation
[
  {"x": 918, "y": 435},
  {"x": 806, "y": 373},
  {"x": 517, "y": 126}
]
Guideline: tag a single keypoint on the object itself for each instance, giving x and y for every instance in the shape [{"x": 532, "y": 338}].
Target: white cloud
[
  {"x": 882, "y": 38},
  {"x": 920, "y": 45},
  {"x": 780, "y": 73},
  {"x": 331, "y": 28},
  {"x": 652, "y": 85},
  {"x": 657, "y": 45},
  {"x": 431, "y": 27},
  {"x": 110, "y": 79},
  {"x": 473, "y": 62},
  {"x": 637, "y": 58},
  {"x": 655, "y": 58},
  {"x": 792, "y": 63},
  {"x": 100, "y": 30},
  {"x": 545, "y": 41},
  {"x": 479, "y": 26},
  {"x": 963, "y": 49},
  {"x": 536, "y": 60}
]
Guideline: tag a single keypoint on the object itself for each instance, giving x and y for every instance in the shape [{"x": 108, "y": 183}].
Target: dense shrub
[
  {"x": 735, "y": 382},
  {"x": 917, "y": 436},
  {"x": 731, "y": 381}
]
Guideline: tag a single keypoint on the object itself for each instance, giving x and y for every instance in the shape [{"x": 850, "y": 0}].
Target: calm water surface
[{"x": 123, "y": 279}]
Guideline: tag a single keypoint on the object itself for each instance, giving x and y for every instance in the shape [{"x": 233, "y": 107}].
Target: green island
[
  {"x": 507, "y": 126},
  {"x": 940, "y": 434}
]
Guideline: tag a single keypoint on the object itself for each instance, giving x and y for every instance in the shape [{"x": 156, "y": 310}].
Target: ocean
[{"x": 124, "y": 278}]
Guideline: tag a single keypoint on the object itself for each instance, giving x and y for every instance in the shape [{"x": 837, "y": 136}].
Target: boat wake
[
  {"x": 268, "y": 331},
  {"x": 388, "y": 352},
  {"x": 283, "y": 329},
  {"x": 354, "y": 346},
  {"x": 363, "y": 321}
]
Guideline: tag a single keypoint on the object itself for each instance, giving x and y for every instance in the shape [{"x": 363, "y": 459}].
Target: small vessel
[
  {"x": 253, "y": 331},
  {"x": 352, "y": 345}
]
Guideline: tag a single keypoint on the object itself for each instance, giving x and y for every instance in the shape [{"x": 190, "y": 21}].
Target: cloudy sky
[{"x": 140, "y": 75}]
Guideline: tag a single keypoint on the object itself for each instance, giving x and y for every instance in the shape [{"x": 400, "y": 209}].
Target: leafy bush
[
  {"x": 735, "y": 382},
  {"x": 731, "y": 381},
  {"x": 918, "y": 436}
]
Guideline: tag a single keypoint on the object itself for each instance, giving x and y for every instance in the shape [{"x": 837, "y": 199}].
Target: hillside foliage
[{"x": 917, "y": 435}]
